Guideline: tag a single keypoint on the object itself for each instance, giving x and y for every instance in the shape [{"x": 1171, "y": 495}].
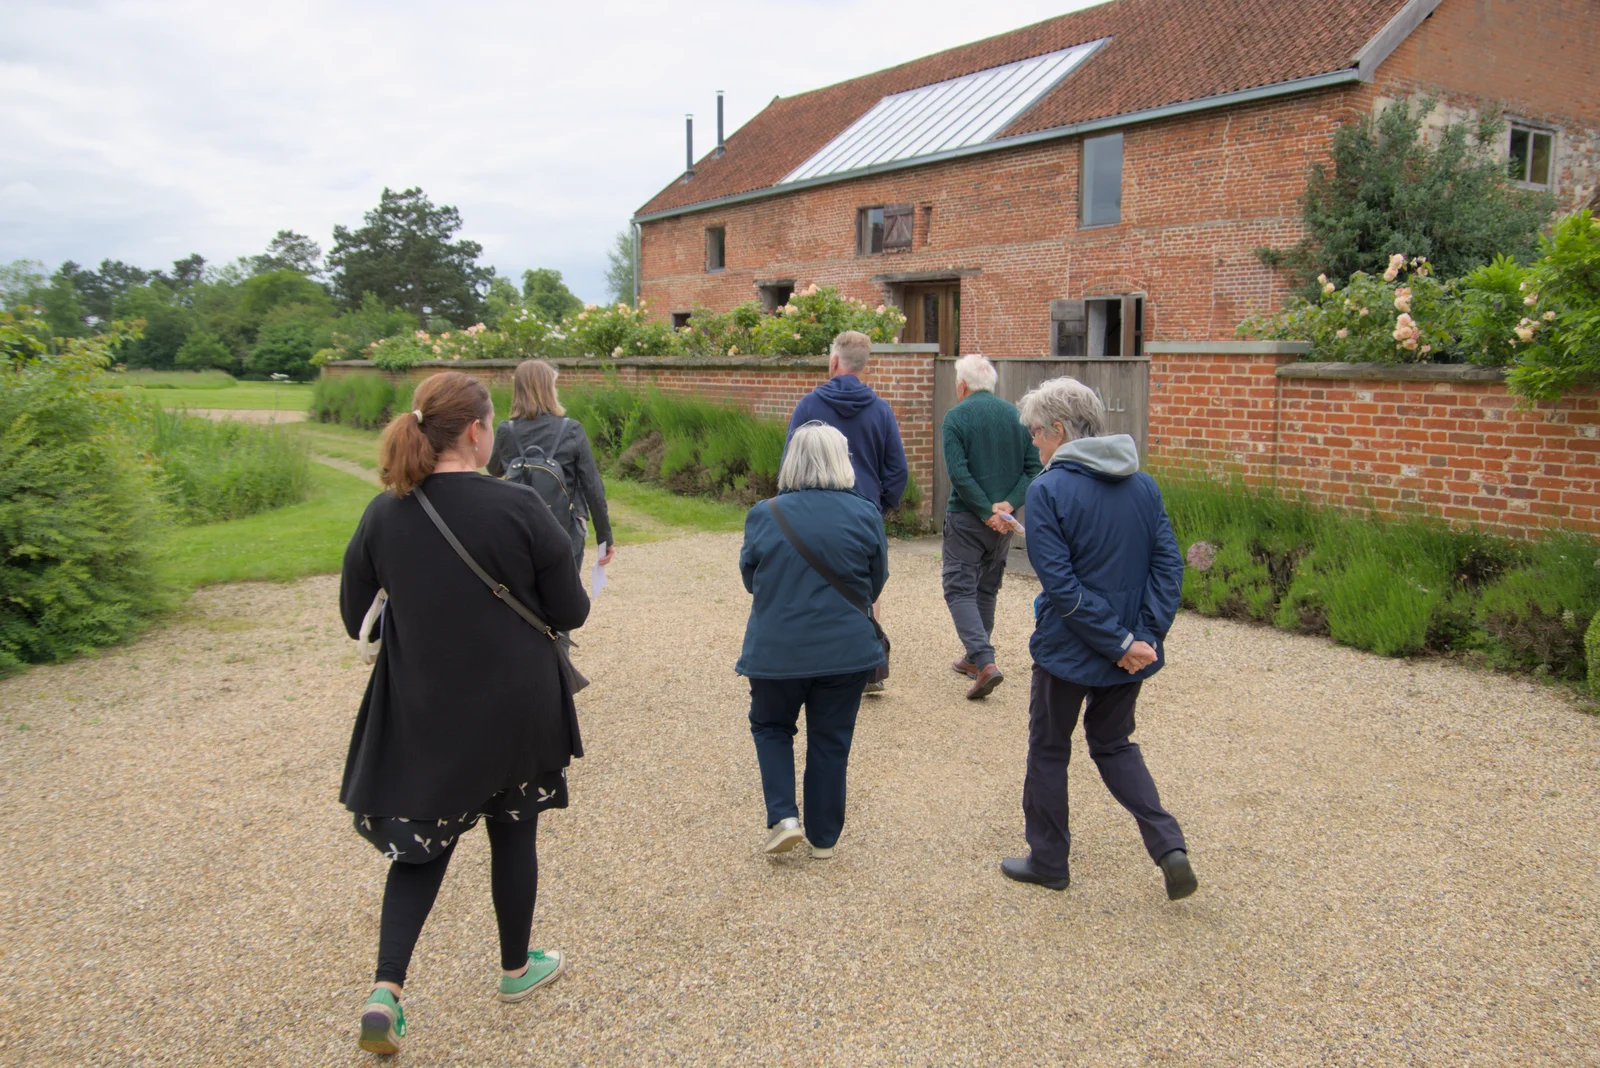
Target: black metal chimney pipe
[
  {"x": 720, "y": 148},
  {"x": 688, "y": 146}
]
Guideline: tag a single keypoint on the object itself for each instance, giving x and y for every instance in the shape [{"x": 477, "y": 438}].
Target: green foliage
[
  {"x": 1395, "y": 587},
  {"x": 1491, "y": 310},
  {"x": 359, "y": 400},
  {"x": 225, "y": 470},
  {"x": 616, "y": 331},
  {"x": 289, "y": 251},
  {"x": 167, "y": 380},
  {"x": 264, "y": 293},
  {"x": 288, "y": 339},
  {"x": 1591, "y": 653},
  {"x": 619, "y": 267},
  {"x": 405, "y": 255},
  {"x": 1449, "y": 201},
  {"x": 545, "y": 294},
  {"x": 1559, "y": 341},
  {"x": 1371, "y": 320},
  {"x": 352, "y": 335},
  {"x": 201, "y": 351},
  {"x": 167, "y": 325},
  {"x": 78, "y": 504}
]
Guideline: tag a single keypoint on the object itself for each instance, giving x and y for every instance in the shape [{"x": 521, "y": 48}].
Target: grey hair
[
  {"x": 977, "y": 372},
  {"x": 818, "y": 457},
  {"x": 854, "y": 349},
  {"x": 1067, "y": 401}
]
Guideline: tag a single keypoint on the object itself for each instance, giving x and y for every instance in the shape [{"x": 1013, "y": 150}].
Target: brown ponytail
[{"x": 449, "y": 402}]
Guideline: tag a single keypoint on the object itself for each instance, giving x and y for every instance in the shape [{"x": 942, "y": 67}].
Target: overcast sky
[{"x": 144, "y": 130}]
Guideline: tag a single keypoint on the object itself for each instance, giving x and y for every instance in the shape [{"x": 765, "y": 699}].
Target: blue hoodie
[
  {"x": 1106, "y": 557},
  {"x": 868, "y": 423}
]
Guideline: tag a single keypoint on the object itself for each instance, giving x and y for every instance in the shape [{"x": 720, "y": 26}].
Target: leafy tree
[
  {"x": 289, "y": 251},
  {"x": 18, "y": 280},
  {"x": 167, "y": 325},
  {"x": 62, "y": 308},
  {"x": 100, "y": 290},
  {"x": 274, "y": 289},
  {"x": 1559, "y": 338},
  {"x": 203, "y": 350},
  {"x": 1390, "y": 192},
  {"x": 288, "y": 339},
  {"x": 619, "y": 269},
  {"x": 548, "y": 296},
  {"x": 404, "y": 254},
  {"x": 187, "y": 272},
  {"x": 354, "y": 332}
]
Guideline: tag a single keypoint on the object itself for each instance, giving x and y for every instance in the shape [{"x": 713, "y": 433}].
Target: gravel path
[{"x": 1398, "y": 861}]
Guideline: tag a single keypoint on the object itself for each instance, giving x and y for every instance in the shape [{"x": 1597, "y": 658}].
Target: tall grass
[
  {"x": 1392, "y": 586},
  {"x": 369, "y": 401},
  {"x": 227, "y": 470}
]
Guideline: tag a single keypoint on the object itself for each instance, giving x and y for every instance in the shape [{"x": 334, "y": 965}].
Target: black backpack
[{"x": 540, "y": 472}]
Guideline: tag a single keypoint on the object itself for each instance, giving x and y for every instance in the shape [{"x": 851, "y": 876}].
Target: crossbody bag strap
[
  {"x": 496, "y": 588},
  {"x": 818, "y": 566}
]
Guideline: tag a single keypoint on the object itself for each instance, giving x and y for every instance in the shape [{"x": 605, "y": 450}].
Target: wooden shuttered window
[
  {"x": 1069, "y": 328},
  {"x": 896, "y": 227}
]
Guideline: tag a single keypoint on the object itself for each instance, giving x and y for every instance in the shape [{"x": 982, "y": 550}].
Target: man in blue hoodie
[
  {"x": 865, "y": 419},
  {"x": 1108, "y": 564}
]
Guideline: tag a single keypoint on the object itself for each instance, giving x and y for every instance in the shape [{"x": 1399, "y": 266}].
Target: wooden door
[{"x": 933, "y": 317}]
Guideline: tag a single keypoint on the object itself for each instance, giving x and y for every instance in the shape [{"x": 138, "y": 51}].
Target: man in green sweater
[{"x": 991, "y": 463}]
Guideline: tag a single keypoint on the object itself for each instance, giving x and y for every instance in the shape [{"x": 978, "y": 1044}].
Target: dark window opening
[
  {"x": 774, "y": 295},
  {"x": 1098, "y": 328},
  {"x": 869, "y": 231},
  {"x": 716, "y": 248},
  {"x": 1532, "y": 152},
  {"x": 930, "y": 318},
  {"x": 681, "y": 319},
  {"x": 1102, "y": 180}
]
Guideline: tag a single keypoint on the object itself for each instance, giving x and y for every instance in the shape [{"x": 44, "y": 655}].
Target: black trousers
[
  {"x": 831, "y": 703},
  {"x": 1053, "y": 706},
  {"x": 513, "y": 883}
]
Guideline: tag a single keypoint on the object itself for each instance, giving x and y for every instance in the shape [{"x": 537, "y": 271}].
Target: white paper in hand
[
  {"x": 1016, "y": 526},
  {"x": 597, "y": 581}
]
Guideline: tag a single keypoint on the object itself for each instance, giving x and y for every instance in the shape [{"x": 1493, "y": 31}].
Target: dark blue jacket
[
  {"x": 1103, "y": 548},
  {"x": 800, "y": 627},
  {"x": 868, "y": 423}
]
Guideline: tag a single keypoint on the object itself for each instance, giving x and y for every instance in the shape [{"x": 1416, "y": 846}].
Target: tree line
[{"x": 404, "y": 268}]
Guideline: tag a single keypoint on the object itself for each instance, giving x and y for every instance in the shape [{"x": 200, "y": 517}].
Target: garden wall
[
  {"x": 1448, "y": 441},
  {"x": 901, "y": 375}
]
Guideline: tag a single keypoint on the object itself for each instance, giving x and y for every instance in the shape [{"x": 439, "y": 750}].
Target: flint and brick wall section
[{"x": 1451, "y": 442}]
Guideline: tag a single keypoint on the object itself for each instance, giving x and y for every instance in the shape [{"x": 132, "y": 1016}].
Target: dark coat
[
  {"x": 564, "y": 441},
  {"x": 1103, "y": 548},
  {"x": 868, "y": 423},
  {"x": 800, "y": 627},
  {"x": 466, "y": 698}
]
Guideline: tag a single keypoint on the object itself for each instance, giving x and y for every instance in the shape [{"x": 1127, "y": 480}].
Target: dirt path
[{"x": 1398, "y": 861}]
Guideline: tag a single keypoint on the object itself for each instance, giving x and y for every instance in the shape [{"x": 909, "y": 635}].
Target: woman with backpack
[
  {"x": 541, "y": 448},
  {"x": 468, "y": 714}
]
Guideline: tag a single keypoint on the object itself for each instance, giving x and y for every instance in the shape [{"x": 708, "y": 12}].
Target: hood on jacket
[
  {"x": 1114, "y": 456},
  {"x": 846, "y": 394}
]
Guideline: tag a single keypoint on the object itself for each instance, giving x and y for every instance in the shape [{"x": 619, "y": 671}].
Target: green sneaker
[
  {"x": 542, "y": 968},
  {"x": 383, "y": 1023}
]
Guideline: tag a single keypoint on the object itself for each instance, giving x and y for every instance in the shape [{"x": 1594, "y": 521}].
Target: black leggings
[{"x": 513, "y": 883}]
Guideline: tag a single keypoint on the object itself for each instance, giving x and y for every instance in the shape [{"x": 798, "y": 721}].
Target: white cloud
[{"x": 144, "y": 130}]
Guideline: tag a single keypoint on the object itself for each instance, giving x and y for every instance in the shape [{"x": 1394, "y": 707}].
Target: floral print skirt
[{"x": 417, "y": 841}]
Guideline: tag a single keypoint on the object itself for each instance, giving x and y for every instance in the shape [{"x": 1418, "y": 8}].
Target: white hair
[
  {"x": 854, "y": 349},
  {"x": 1067, "y": 402},
  {"x": 977, "y": 372},
  {"x": 818, "y": 457}
]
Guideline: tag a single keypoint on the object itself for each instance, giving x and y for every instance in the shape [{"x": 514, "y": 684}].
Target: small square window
[
  {"x": 680, "y": 319},
  {"x": 869, "y": 231},
  {"x": 1532, "y": 153},
  {"x": 1102, "y": 180},
  {"x": 774, "y": 295},
  {"x": 716, "y": 248}
]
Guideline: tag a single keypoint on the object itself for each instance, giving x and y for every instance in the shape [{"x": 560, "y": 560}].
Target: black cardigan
[
  {"x": 566, "y": 442},
  {"x": 466, "y": 698}
]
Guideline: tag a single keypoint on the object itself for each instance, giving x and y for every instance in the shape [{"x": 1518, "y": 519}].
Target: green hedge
[
  {"x": 369, "y": 401},
  {"x": 1395, "y": 587},
  {"x": 225, "y": 470}
]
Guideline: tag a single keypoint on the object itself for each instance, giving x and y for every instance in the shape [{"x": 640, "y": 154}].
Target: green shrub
[
  {"x": 225, "y": 470},
  {"x": 1536, "y": 613},
  {"x": 360, "y": 400},
  {"x": 79, "y": 509},
  {"x": 1591, "y": 652}
]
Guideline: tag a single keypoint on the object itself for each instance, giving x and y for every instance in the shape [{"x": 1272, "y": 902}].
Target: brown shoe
[
  {"x": 965, "y": 667},
  {"x": 985, "y": 682}
]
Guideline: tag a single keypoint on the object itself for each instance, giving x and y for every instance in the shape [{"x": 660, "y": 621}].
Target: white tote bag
[{"x": 367, "y": 645}]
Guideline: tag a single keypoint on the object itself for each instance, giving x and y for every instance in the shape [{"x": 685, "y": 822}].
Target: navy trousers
[
  {"x": 831, "y": 703},
  {"x": 1053, "y": 706}
]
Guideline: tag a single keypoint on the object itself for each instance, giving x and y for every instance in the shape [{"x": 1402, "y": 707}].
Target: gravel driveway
[{"x": 1398, "y": 861}]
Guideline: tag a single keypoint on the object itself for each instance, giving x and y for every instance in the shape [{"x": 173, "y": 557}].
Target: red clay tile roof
[{"x": 1161, "y": 52}]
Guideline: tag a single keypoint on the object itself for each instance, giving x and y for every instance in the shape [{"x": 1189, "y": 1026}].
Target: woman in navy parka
[{"x": 1103, "y": 548}]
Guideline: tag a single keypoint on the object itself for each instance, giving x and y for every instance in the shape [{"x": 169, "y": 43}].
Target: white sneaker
[
  {"x": 873, "y": 687},
  {"x": 786, "y": 834},
  {"x": 820, "y": 852}
]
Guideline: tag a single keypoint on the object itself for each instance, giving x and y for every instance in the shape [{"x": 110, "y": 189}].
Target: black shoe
[
  {"x": 1180, "y": 876},
  {"x": 1019, "y": 869}
]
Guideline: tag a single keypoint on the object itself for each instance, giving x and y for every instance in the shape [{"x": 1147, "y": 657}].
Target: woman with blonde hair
[
  {"x": 541, "y": 448},
  {"x": 467, "y": 714}
]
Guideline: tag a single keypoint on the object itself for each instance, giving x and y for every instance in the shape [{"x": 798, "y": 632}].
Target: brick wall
[
  {"x": 1450, "y": 442},
  {"x": 904, "y": 379}
]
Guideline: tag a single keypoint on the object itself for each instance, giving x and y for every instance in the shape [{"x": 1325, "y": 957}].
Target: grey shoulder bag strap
[
  {"x": 563, "y": 643},
  {"x": 832, "y": 578}
]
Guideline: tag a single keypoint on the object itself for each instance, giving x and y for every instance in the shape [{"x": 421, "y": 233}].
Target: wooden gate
[{"x": 1122, "y": 383}]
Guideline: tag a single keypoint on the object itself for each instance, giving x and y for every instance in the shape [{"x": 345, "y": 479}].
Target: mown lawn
[{"x": 214, "y": 389}]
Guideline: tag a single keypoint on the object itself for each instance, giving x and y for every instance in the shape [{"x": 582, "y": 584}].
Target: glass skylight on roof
[{"x": 943, "y": 116}]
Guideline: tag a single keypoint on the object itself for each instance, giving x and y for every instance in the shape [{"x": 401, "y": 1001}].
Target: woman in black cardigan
[{"x": 466, "y": 715}]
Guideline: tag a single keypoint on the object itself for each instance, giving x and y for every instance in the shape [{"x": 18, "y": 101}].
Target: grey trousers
[
  {"x": 1053, "y": 707},
  {"x": 974, "y": 568}
]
